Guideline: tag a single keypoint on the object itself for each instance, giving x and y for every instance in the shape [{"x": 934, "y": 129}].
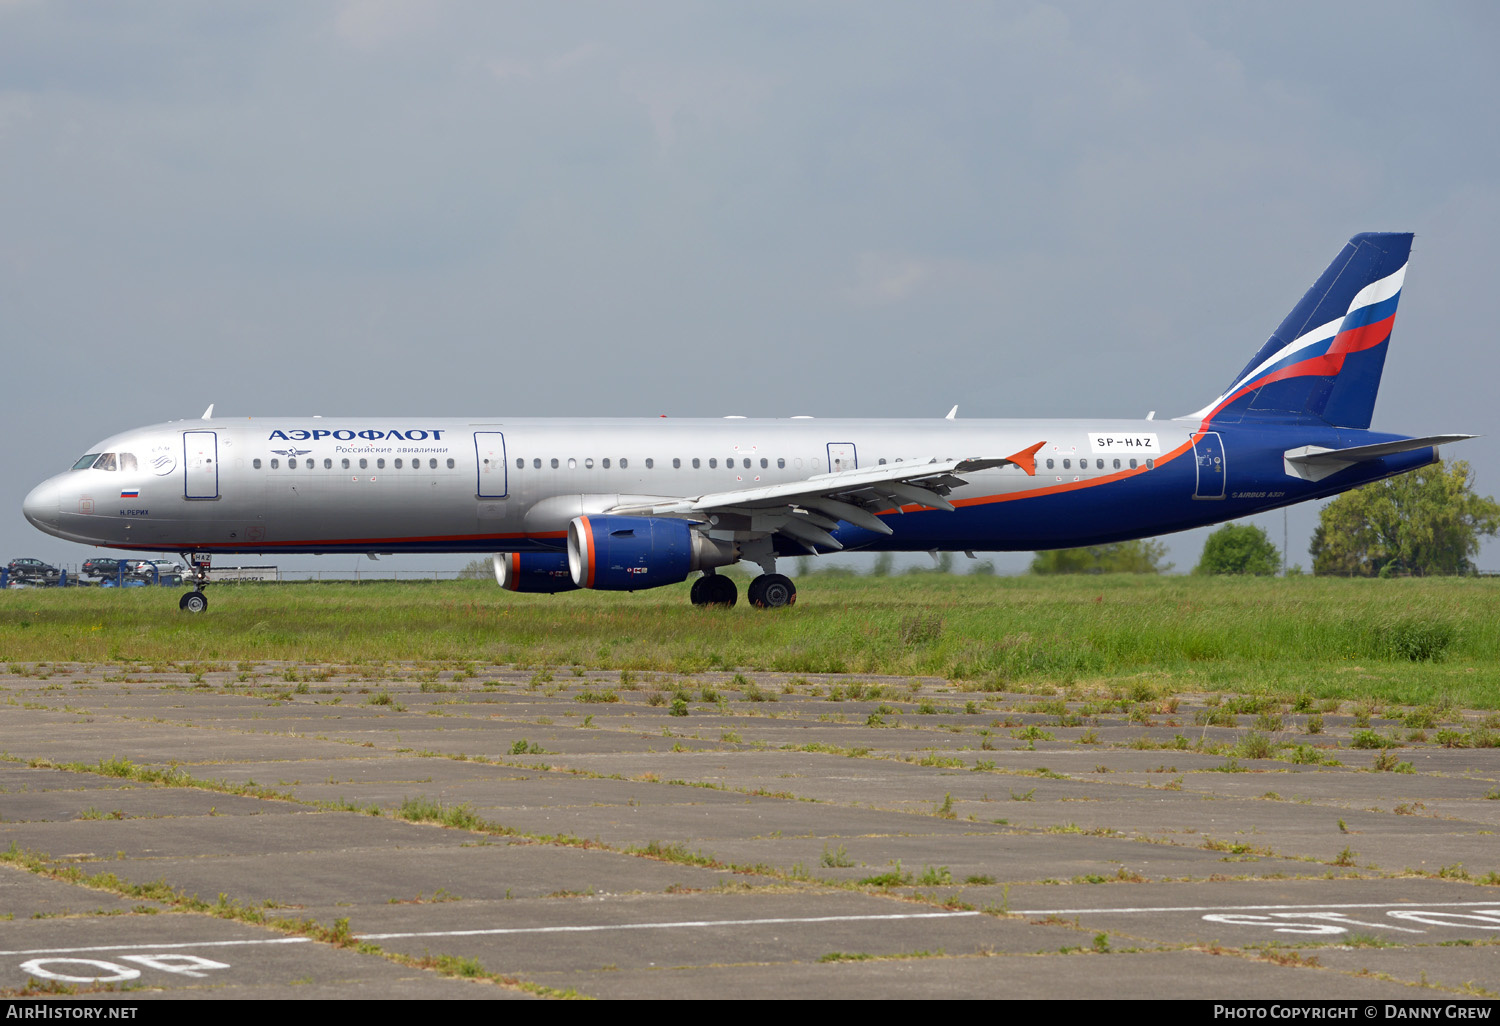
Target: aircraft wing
[{"x": 808, "y": 509}]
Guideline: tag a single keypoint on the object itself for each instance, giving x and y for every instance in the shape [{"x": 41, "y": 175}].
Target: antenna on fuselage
[
  {"x": 952, "y": 413},
  {"x": 208, "y": 414}
]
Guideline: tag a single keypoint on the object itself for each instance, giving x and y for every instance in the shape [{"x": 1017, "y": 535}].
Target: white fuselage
[{"x": 447, "y": 484}]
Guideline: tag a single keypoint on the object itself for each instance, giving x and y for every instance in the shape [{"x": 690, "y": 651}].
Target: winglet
[{"x": 1026, "y": 458}]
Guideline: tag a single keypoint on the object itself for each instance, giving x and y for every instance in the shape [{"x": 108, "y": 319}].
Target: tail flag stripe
[{"x": 1352, "y": 307}]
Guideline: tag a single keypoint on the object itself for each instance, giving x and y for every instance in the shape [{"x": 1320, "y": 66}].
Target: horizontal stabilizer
[{"x": 1314, "y": 462}]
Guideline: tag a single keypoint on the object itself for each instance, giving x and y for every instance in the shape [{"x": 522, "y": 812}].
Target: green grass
[{"x": 1417, "y": 642}]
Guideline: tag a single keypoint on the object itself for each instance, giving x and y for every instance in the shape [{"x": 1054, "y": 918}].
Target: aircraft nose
[{"x": 40, "y": 506}]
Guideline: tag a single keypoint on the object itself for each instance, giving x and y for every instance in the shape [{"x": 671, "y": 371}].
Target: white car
[{"x": 163, "y": 570}]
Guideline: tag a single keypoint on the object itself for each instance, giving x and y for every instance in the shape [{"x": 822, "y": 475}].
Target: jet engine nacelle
[
  {"x": 545, "y": 572},
  {"x": 632, "y": 553}
]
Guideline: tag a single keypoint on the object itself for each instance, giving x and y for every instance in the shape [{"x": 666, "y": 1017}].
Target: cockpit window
[
  {"x": 127, "y": 461},
  {"x": 86, "y": 462},
  {"x": 106, "y": 462}
]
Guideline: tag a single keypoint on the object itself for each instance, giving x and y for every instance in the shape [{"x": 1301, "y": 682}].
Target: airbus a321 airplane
[{"x": 625, "y": 505}]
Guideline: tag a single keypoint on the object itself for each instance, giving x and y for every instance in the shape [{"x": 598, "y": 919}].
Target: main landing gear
[
  {"x": 768, "y": 591},
  {"x": 772, "y": 591},
  {"x": 714, "y": 590}
]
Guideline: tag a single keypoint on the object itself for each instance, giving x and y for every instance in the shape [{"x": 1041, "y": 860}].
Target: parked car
[
  {"x": 101, "y": 568},
  {"x": 164, "y": 570},
  {"x": 33, "y": 571}
]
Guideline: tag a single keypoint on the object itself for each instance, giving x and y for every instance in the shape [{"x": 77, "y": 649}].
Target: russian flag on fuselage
[{"x": 1326, "y": 358}]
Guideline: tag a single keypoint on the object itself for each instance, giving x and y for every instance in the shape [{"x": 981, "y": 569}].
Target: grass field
[{"x": 1409, "y": 641}]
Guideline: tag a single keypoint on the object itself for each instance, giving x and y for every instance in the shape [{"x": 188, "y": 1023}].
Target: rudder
[{"x": 1326, "y": 358}]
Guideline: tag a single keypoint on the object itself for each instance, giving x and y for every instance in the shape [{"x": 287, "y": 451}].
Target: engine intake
[
  {"x": 611, "y": 553},
  {"x": 544, "y": 572}
]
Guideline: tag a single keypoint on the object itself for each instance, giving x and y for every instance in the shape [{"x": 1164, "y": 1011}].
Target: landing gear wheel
[
  {"x": 714, "y": 590},
  {"x": 772, "y": 591},
  {"x": 193, "y": 602}
]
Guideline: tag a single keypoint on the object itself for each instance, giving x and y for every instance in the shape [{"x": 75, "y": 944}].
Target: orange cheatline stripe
[
  {"x": 369, "y": 541},
  {"x": 1053, "y": 489}
]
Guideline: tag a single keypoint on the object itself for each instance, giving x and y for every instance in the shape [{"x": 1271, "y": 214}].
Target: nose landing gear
[{"x": 195, "y": 601}]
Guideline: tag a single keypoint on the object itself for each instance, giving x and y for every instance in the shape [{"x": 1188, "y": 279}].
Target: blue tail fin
[{"x": 1325, "y": 360}]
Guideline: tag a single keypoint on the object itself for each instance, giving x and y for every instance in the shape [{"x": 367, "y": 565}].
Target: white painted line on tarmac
[
  {"x": 1251, "y": 908},
  {"x": 603, "y": 927},
  {"x": 478, "y": 933},
  {"x": 158, "y": 947}
]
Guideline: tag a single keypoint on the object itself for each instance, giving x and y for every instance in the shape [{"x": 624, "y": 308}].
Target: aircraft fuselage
[{"x": 412, "y": 484}]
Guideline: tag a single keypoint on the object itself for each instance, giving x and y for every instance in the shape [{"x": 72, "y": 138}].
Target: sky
[{"x": 357, "y": 207}]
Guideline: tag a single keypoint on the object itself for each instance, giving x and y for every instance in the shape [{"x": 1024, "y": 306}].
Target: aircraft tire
[
  {"x": 772, "y": 591},
  {"x": 193, "y": 602},
  {"x": 713, "y": 590}
]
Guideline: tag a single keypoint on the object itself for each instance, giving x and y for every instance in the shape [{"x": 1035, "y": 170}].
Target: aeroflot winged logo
[{"x": 368, "y": 434}]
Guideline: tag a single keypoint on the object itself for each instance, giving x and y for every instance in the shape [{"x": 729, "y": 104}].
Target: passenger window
[
  {"x": 275, "y": 464},
  {"x": 1150, "y": 464},
  {"x": 1049, "y": 464},
  {"x": 650, "y": 463},
  {"x": 780, "y": 463},
  {"x": 450, "y": 462},
  {"x": 380, "y": 463},
  {"x": 346, "y": 463},
  {"x": 327, "y": 463},
  {"x": 537, "y": 463},
  {"x": 364, "y": 464},
  {"x": 1099, "y": 464},
  {"x": 520, "y": 463},
  {"x": 255, "y": 463},
  {"x": 604, "y": 463},
  {"x": 1117, "y": 464},
  {"x": 398, "y": 462},
  {"x": 588, "y": 463},
  {"x": 880, "y": 462},
  {"x": 764, "y": 463},
  {"x": 1067, "y": 464},
  {"x": 676, "y": 463},
  {"x": 624, "y": 463},
  {"x": 291, "y": 464},
  {"x": 713, "y": 463},
  {"x": 572, "y": 463},
  {"x": 554, "y": 463},
  {"x": 1132, "y": 464},
  {"x": 696, "y": 464},
  {"x": 747, "y": 462}
]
